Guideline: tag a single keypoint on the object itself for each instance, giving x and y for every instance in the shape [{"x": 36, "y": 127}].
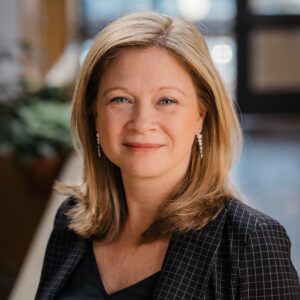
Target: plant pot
[{"x": 42, "y": 172}]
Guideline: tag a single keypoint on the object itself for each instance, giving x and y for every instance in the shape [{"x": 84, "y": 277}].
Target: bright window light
[
  {"x": 194, "y": 10},
  {"x": 222, "y": 54}
]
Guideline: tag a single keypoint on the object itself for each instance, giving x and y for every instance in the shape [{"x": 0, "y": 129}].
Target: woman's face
[{"x": 147, "y": 113}]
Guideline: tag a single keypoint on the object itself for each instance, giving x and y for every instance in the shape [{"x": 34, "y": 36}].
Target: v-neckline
[{"x": 98, "y": 275}]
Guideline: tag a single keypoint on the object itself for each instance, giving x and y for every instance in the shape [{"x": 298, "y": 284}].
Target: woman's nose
[{"x": 142, "y": 118}]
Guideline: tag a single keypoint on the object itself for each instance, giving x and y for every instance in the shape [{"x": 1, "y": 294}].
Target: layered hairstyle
[{"x": 100, "y": 209}]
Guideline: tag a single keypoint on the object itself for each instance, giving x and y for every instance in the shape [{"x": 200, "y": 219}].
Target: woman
[{"x": 155, "y": 216}]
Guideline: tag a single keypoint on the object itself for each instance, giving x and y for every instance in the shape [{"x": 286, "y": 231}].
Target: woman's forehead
[{"x": 145, "y": 66}]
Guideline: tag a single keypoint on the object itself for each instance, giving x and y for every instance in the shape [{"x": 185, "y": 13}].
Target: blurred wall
[
  {"x": 8, "y": 20},
  {"x": 9, "y": 36},
  {"x": 44, "y": 29}
]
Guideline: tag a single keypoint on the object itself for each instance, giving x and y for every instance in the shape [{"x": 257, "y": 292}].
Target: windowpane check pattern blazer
[{"x": 242, "y": 254}]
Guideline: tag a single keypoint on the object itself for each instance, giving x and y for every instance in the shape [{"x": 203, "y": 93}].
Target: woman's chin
[{"x": 142, "y": 172}]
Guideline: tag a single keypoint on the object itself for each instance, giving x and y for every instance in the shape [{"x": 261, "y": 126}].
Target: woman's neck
[{"x": 144, "y": 198}]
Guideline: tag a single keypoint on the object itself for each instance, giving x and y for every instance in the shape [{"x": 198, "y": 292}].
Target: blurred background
[{"x": 255, "y": 45}]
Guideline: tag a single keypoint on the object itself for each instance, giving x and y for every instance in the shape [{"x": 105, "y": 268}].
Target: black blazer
[{"x": 242, "y": 254}]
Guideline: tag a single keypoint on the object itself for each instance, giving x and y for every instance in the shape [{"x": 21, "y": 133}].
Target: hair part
[{"x": 100, "y": 210}]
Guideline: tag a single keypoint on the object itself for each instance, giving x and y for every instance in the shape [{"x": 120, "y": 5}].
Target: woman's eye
[
  {"x": 167, "y": 101},
  {"x": 119, "y": 100}
]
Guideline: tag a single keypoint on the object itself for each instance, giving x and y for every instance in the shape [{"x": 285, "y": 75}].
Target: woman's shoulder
[
  {"x": 259, "y": 244},
  {"x": 241, "y": 213},
  {"x": 244, "y": 220},
  {"x": 61, "y": 220}
]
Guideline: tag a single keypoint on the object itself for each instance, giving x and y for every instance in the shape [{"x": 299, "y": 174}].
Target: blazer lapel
[
  {"x": 188, "y": 262},
  {"x": 60, "y": 267},
  {"x": 67, "y": 268}
]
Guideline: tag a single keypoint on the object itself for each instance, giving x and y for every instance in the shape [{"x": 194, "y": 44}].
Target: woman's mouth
[{"x": 143, "y": 147}]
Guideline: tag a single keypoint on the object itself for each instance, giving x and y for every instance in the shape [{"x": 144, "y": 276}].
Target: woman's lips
[{"x": 142, "y": 146}]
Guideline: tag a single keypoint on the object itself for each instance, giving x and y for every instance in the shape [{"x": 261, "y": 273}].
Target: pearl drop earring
[
  {"x": 98, "y": 144},
  {"x": 200, "y": 142}
]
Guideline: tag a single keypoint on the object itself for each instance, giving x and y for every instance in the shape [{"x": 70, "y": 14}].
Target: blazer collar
[{"x": 188, "y": 262}]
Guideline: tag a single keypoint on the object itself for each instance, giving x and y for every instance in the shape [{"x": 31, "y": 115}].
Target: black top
[{"x": 85, "y": 283}]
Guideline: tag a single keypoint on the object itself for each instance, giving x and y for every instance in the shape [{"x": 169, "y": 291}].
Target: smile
[{"x": 142, "y": 146}]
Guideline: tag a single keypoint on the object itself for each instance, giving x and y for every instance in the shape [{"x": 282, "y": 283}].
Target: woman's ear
[
  {"x": 95, "y": 115},
  {"x": 201, "y": 118},
  {"x": 202, "y": 113},
  {"x": 95, "y": 122}
]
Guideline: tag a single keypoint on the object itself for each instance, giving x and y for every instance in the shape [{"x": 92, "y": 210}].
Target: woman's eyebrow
[
  {"x": 112, "y": 89},
  {"x": 172, "y": 88},
  {"x": 126, "y": 90}
]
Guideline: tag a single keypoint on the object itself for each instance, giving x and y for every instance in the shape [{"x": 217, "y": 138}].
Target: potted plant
[{"x": 35, "y": 130}]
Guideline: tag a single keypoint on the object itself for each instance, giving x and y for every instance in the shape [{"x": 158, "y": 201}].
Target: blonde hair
[{"x": 100, "y": 210}]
